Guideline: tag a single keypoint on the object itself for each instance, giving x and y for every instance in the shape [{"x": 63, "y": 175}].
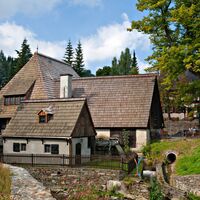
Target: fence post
[
  {"x": 63, "y": 159},
  {"x": 122, "y": 163},
  {"x": 32, "y": 159}
]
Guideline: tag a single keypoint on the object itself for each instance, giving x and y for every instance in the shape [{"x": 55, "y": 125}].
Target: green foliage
[
  {"x": 155, "y": 190},
  {"x": 188, "y": 159},
  {"x": 24, "y": 54},
  {"x": 189, "y": 164},
  {"x": 134, "y": 66},
  {"x": 125, "y": 137},
  {"x": 68, "y": 57},
  {"x": 79, "y": 63},
  {"x": 105, "y": 71},
  {"x": 6, "y": 68},
  {"x": 146, "y": 150},
  {"x": 87, "y": 73},
  {"x": 175, "y": 43},
  {"x": 193, "y": 197},
  {"x": 125, "y": 65}
]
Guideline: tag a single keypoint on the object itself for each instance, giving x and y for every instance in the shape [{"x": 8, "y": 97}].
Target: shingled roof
[
  {"x": 26, "y": 121},
  {"x": 117, "y": 101},
  {"x": 41, "y": 71}
]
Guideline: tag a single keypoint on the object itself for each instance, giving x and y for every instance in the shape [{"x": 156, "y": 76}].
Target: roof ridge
[
  {"x": 118, "y": 76},
  {"x": 57, "y": 60},
  {"x": 53, "y": 100}
]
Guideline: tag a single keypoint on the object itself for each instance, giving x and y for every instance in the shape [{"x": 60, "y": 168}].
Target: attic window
[
  {"x": 42, "y": 119},
  {"x": 13, "y": 100},
  {"x": 45, "y": 116}
]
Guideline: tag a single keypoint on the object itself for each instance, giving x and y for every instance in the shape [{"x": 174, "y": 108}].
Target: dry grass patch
[{"x": 5, "y": 183}]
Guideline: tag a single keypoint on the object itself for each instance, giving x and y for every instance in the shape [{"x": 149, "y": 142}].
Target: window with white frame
[
  {"x": 17, "y": 147},
  {"x": 51, "y": 148}
]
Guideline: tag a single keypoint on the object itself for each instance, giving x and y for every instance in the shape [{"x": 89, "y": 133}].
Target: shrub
[
  {"x": 193, "y": 197},
  {"x": 125, "y": 137},
  {"x": 155, "y": 190},
  {"x": 146, "y": 150}
]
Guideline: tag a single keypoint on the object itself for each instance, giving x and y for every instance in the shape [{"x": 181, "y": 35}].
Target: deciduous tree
[{"x": 174, "y": 30}]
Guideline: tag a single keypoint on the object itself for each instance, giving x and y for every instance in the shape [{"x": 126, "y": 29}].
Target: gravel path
[{"x": 25, "y": 187}]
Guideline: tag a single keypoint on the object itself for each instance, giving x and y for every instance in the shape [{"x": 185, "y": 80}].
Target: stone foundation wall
[
  {"x": 189, "y": 184},
  {"x": 63, "y": 177}
]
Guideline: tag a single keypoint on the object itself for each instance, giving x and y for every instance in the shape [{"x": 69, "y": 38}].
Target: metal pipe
[{"x": 171, "y": 157}]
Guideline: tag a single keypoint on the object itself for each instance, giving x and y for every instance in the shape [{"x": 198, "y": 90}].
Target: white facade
[
  {"x": 142, "y": 138},
  {"x": 103, "y": 133},
  {"x": 34, "y": 146},
  {"x": 85, "y": 150}
]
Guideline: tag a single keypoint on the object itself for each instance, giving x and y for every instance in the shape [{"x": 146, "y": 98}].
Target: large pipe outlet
[{"x": 171, "y": 157}]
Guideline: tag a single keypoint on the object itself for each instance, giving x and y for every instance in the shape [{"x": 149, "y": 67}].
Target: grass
[
  {"x": 5, "y": 183},
  {"x": 188, "y": 158}
]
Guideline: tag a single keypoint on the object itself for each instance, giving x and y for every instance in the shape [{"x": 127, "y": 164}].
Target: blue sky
[{"x": 100, "y": 25}]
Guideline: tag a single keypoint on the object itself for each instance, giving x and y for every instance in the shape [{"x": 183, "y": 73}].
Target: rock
[
  {"x": 103, "y": 187},
  {"x": 113, "y": 184}
]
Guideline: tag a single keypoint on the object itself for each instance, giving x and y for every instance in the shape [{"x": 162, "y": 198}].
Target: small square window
[
  {"x": 54, "y": 149},
  {"x": 16, "y": 147},
  {"x": 47, "y": 148},
  {"x": 23, "y": 147},
  {"x": 42, "y": 119}
]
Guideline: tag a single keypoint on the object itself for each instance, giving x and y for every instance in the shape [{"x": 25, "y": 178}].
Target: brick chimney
[{"x": 65, "y": 86}]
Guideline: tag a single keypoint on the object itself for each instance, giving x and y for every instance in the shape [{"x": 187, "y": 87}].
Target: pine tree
[
  {"x": 134, "y": 65},
  {"x": 23, "y": 56},
  {"x": 69, "y": 54},
  {"x": 79, "y": 63},
  {"x": 6, "y": 67}
]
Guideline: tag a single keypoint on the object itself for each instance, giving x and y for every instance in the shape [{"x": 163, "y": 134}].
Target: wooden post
[
  {"x": 32, "y": 159},
  {"x": 63, "y": 159}
]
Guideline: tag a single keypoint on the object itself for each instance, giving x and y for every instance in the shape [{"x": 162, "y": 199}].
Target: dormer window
[
  {"x": 13, "y": 100},
  {"x": 42, "y": 119},
  {"x": 45, "y": 115}
]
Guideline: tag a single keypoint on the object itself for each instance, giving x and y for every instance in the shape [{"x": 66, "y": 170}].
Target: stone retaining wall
[
  {"x": 64, "y": 177},
  {"x": 189, "y": 184}
]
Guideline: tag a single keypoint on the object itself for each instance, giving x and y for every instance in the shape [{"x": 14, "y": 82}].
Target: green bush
[
  {"x": 155, "y": 190},
  {"x": 146, "y": 150},
  {"x": 193, "y": 197}
]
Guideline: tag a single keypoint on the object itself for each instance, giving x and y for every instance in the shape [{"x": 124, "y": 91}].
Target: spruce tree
[
  {"x": 134, "y": 65},
  {"x": 23, "y": 56},
  {"x": 79, "y": 63},
  {"x": 6, "y": 67},
  {"x": 69, "y": 54}
]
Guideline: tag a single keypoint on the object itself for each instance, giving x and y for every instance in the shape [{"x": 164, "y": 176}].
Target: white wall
[
  {"x": 35, "y": 146},
  {"x": 103, "y": 133},
  {"x": 142, "y": 137},
  {"x": 85, "y": 151}
]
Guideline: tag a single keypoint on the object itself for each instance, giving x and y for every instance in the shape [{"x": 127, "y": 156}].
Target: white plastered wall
[
  {"x": 35, "y": 146},
  {"x": 103, "y": 133},
  {"x": 85, "y": 151},
  {"x": 142, "y": 138}
]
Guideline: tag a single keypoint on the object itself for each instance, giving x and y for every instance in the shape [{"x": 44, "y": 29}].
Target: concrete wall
[
  {"x": 103, "y": 133},
  {"x": 35, "y": 146},
  {"x": 142, "y": 137},
  {"x": 85, "y": 151}
]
